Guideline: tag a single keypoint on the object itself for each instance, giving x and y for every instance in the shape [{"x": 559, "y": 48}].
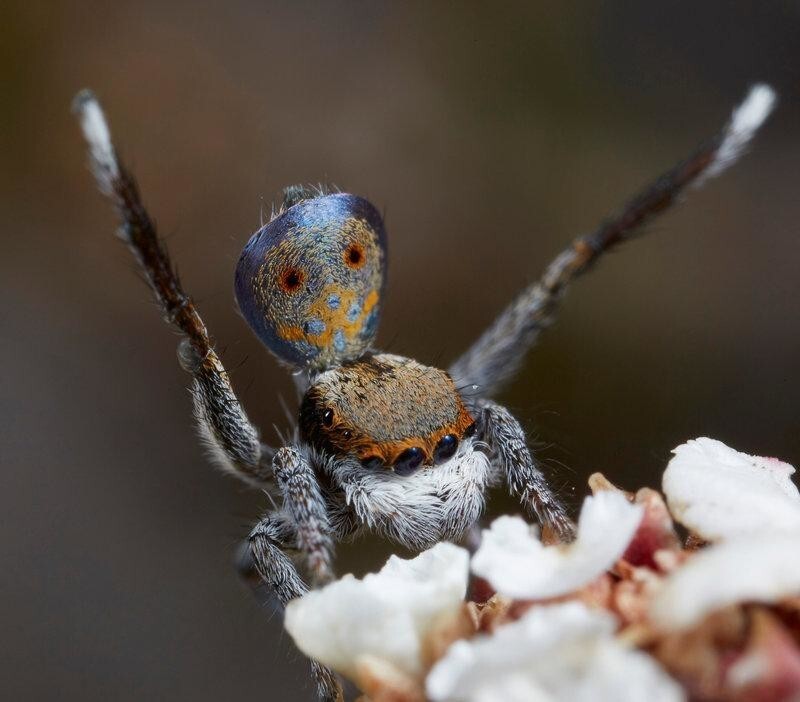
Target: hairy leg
[
  {"x": 269, "y": 541},
  {"x": 221, "y": 418},
  {"x": 304, "y": 504},
  {"x": 505, "y": 437},
  {"x": 498, "y": 353}
]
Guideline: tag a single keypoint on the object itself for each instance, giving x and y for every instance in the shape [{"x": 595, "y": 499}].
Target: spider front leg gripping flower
[{"x": 385, "y": 444}]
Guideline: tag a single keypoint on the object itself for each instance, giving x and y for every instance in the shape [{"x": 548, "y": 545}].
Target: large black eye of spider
[
  {"x": 292, "y": 279},
  {"x": 408, "y": 461},
  {"x": 373, "y": 462},
  {"x": 327, "y": 417},
  {"x": 445, "y": 448}
]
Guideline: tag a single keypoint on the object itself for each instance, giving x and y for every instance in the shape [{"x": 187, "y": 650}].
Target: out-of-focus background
[{"x": 490, "y": 136}]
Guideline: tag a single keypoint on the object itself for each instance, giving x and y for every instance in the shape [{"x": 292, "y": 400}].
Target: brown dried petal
[
  {"x": 444, "y": 631},
  {"x": 598, "y": 482},
  {"x": 769, "y": 668},
  {"x": 655, "y": 533},
  {"x": 487, "y": 616},
  {"x": 383, "y": 682},
  {"x": 597, "y": 594},
  {"x": 699, "y": 657}
]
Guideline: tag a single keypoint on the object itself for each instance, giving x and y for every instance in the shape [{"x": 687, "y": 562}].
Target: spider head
[
  {"x": 387, "y": 411},
  {"x": 310, "y": 282}
]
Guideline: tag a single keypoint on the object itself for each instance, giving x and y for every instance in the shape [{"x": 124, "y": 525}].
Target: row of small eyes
[
  {"x": 411, "y": 459},
  {"x": 292, "y": 279}
]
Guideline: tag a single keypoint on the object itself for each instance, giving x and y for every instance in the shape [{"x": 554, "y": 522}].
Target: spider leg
[
  {"x": 506, "y": 439},
  {"x": 304, "y": 504},
  {"x": 498, "y": 353},
  {"x": 222, "y": 421},
  {"x": 269, "y": 540}
]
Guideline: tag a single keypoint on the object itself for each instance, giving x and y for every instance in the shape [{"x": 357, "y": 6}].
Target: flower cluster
[{"x": 628, "y": 611}]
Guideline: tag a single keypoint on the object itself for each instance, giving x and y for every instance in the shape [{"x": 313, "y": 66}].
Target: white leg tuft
[
  {"x": 746, "y": 119},
  {"x": 98, "y": 137}
]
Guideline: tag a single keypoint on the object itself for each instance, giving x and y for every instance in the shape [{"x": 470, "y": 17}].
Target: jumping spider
[{"x": 383, "y": 443}]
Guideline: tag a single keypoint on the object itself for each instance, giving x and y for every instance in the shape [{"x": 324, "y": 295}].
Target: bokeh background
[{"x": 490, "y": 135}]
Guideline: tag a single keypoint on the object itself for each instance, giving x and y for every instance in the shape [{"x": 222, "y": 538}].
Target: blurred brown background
[{"x": 490, "y": 135}]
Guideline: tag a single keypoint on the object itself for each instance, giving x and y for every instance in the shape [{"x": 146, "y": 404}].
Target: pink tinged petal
[
  {"x": 769, "y": 668},
  {"x": 719, "y": 493}
]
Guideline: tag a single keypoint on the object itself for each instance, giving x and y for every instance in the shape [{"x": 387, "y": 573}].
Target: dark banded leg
[
  {"x": 304, "y": 504},
  {"x": 506, "y": 439},
  {"x": 222, "y": 421},
  {"x": 498, "y": 353},
  {"x": 269, "y": 541}
]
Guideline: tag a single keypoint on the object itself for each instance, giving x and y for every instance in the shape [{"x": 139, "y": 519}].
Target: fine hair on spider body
[{"x": 384, "y": 444}]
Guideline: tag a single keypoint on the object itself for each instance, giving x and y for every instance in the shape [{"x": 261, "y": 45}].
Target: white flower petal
[
  {"x": 718, "y": 492},
  {"x": 518, "y": 565},
  {"x": 757, "y": 567},
  {"x": 558, "y": 652},
  {"x": 385, "y": 615}
]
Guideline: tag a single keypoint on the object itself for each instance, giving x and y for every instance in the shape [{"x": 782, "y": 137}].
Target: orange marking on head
[{"x": 389, "y": 451}]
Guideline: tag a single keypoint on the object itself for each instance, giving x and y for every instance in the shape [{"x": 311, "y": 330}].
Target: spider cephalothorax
[
  {"x": 386, "y": 444},
  {"x": 388, "y": 411}
]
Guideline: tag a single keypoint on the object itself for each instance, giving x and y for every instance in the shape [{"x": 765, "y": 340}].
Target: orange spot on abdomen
[{"x": 291, "y": 333}]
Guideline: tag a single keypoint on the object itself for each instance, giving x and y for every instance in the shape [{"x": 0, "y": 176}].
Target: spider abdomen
[
  {"x": 386, "y": 410},
  {"x": 310, "y": 281}
]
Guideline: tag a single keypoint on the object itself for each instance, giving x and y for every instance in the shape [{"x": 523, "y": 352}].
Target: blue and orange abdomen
[{"x": 310, "y": 282}]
